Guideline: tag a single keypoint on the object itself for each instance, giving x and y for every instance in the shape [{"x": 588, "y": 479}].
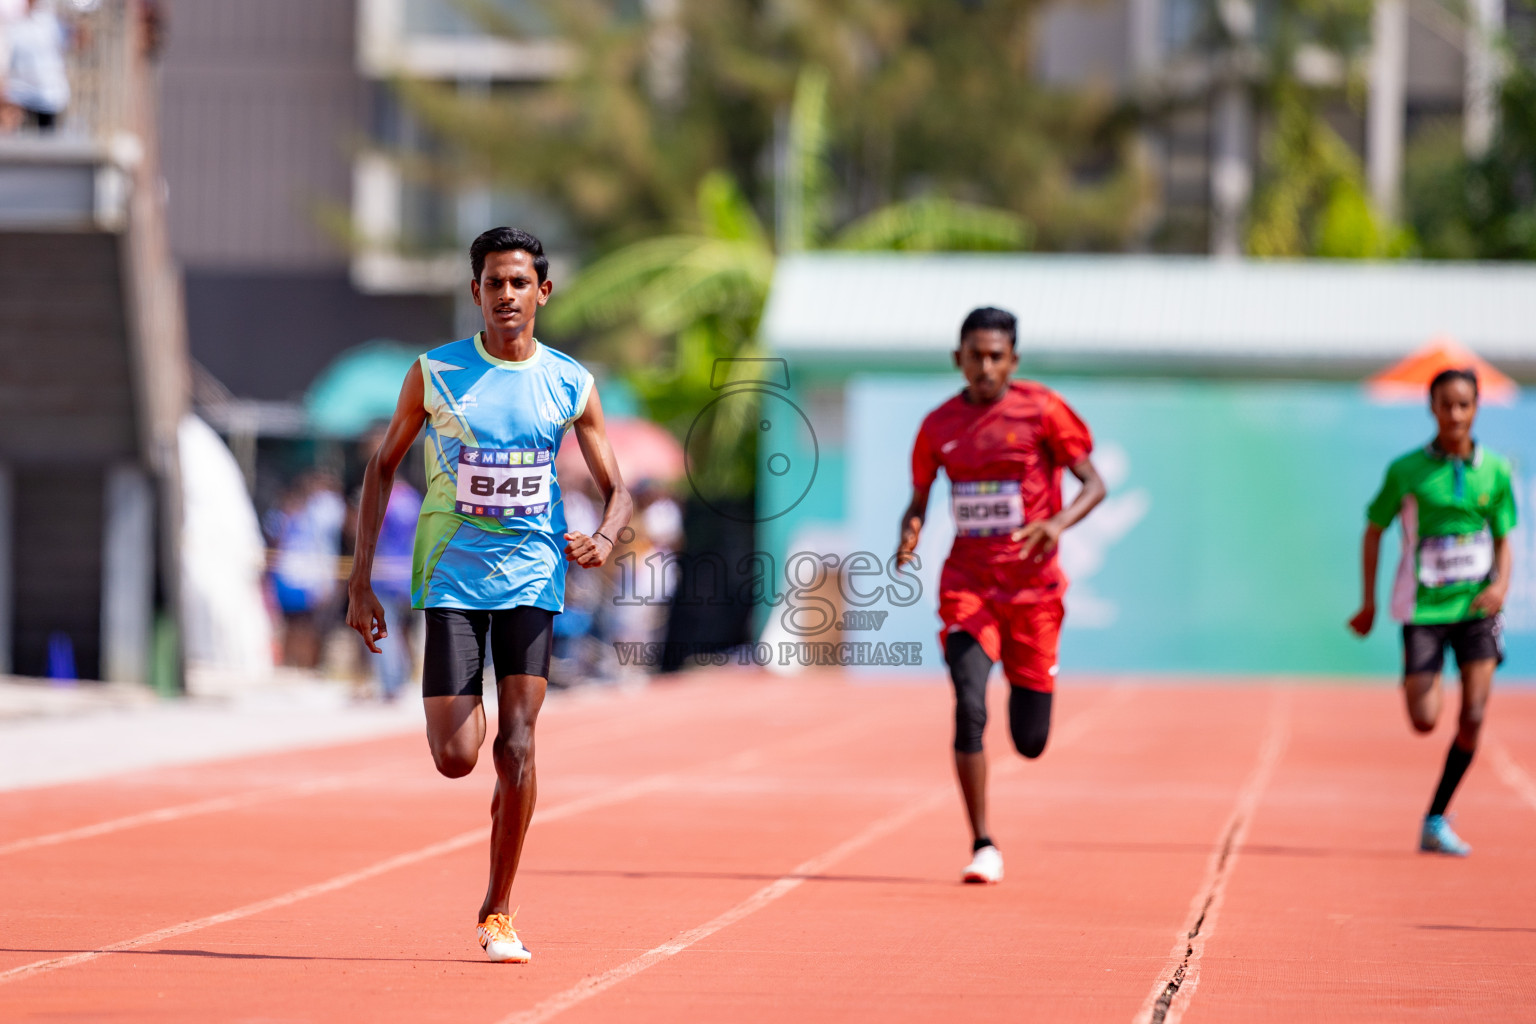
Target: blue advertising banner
[{"x": 1230, "y": 539}]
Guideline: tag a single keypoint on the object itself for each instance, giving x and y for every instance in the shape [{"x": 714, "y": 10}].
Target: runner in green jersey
[{"x": 1457, "y": 507}]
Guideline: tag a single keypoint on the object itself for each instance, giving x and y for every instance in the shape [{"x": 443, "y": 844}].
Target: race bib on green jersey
[
  {"x": 986, "y": 508},
  {"x": 1459, "y": 558},
  {"x": 503, "y": 482}
]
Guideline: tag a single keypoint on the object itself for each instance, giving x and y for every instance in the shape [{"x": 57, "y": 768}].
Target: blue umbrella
[{"x": 359, "y": 388}]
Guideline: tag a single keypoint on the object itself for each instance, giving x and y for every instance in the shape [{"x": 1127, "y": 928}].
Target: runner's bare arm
[
  {"x": 1040, "y": 538},
  {"x": 912, "y": 527},
  {"x": 591, "y": 552},
  {"x": 1370, "y": 555},
  {"x": 364, "y": 612},
  {"x": 1490, "y": 599}
]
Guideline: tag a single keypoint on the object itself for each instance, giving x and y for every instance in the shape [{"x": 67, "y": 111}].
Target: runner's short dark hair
[
  {"x": 1446, "y": 376},
  {"x": 990, "y": 318},
  {"x": 507, "y": 240}
]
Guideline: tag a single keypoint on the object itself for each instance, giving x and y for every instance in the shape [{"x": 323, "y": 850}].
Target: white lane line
[
  {"x": 780, "y": 887},
  {"x": 596, "y": 984},
  {"x": 177, "y": 812},
  {"x": 239, "y": 801},
  {"x": 651, "y": 783},
  {"x": 330, "y": 885},
  {"x": 1176, "y": 985},
  {"x": 1510, "y": 772},
  {"x": 458, "y": 842}
]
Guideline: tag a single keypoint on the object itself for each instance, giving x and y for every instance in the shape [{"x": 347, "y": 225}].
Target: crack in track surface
[
  {"x": 1165, "y": 1001},
  {"x": 1160, "y": 1007}
]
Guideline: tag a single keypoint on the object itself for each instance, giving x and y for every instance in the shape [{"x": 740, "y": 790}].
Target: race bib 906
[
  {"x": 1463, "y": 558},
  {"x": 986, "y": 508},
  {"x": 503, "y": 482}
]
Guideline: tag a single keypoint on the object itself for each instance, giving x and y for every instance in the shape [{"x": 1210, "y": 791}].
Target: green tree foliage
[
  {"x": 1483, "y": 207},
  {"x": 690, "y": 146},
  {"x": 923, "y": 97},
  {"x": 1312, "y": 200},
  {"x": 705, "y": 283}
]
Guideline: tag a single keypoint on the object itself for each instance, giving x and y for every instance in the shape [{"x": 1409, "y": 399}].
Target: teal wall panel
[{"x": 1230, "y": 540}]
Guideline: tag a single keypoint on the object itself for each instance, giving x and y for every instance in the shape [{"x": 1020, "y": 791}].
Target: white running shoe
[
  {"x": 986, "y": 867},
  {"x": 500, "y": 941}
]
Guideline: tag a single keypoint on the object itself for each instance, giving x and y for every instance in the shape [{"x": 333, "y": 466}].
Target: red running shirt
[{"x": 1028, "y": 436}]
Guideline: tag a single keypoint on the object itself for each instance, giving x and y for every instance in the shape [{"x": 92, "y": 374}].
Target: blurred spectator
[
  {"x": 392, "y": 585},
  {"x": 662, "y": 517},
  {"x": 11, "y": 11},
  {"x": 306, "y": 530},
  {"x": 657, "y": 525},
  {"x": 578, "y": 652},
  {"x": 36, "y": 82},
  {"x": 152, "y": 25}
]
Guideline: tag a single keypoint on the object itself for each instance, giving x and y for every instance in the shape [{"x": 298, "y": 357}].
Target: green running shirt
[{"x": 1452, "y": 509}]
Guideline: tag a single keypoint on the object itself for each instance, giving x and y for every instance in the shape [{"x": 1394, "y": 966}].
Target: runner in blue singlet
[{"x": 491, "y": 542}]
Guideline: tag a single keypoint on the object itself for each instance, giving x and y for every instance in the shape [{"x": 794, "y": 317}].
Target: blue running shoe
[{"x": 1438, "y": 837}]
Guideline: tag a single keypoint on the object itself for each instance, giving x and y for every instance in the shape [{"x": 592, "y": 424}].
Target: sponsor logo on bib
[{"x": 504, "y": 482}]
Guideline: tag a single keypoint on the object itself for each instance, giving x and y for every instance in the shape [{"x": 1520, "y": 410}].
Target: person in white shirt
[
  {"x": 36, "y": 81},
  {"x": 11, "y": 11}
]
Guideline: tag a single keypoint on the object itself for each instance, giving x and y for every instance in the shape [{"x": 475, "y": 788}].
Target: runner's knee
[
  {"x": 1423, "y": 699},
  {"x": 969, "y": 667},
  {"x": 454, "y": 759},
  {"x": 1471, "y": 722},
  {"x": 1029, "y": 720},
  {"x": 1423, "y": 715},
  {"x": 513, "y": 753}
]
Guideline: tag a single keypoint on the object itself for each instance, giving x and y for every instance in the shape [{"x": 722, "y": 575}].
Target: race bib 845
[{"x": 503, "y": 482}]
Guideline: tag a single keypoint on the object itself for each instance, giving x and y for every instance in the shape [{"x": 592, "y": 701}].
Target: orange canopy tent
[{"x": 1408, "y": 380}]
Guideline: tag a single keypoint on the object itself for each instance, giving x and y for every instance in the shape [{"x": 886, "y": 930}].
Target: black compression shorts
[
  {"x": 455, "y": 656},
  {"x": 1472, "y": 640}
]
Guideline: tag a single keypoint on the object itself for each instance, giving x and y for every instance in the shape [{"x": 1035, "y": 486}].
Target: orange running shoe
[{"x": 501, "y": 943}]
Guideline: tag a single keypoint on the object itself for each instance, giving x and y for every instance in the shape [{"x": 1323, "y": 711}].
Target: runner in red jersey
[{"x": 1003, "y": 444}]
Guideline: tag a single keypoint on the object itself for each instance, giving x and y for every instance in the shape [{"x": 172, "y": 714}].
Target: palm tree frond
[
  {"x": 718, "y": 279},
  {"x": 936, "y": 224},
  {"x": 724, "y": 212},
  {"x": 806, "y": 178},
  {"x": 613, "y": 288}
]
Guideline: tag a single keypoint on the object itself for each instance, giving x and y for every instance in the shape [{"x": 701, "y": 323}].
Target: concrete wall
[
  {"x": 262, "y": 111},
  {"x": 260, "y": 105}
]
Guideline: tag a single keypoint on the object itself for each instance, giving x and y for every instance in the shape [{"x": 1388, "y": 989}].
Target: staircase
[{"x": 95, "y": 379}]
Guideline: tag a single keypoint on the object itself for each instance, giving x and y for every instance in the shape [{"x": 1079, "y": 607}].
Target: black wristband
[{"x": 600, "y": 533}]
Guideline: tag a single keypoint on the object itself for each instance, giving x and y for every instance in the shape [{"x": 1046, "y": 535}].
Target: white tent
[{"x": 227, "y": 628}]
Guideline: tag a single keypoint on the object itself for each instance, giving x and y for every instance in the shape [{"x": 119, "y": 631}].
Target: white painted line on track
[
  {"x": 652, "y": 783},
  {"x": 597, "y": 984},
  {"x": 239, "y": 801},
  {"x": 1175, "y": 986},
  {"x": 458, "y": 842},
  {"x": 1510, "y": 772},
  {"x": 176, "y": 735},
  {"x": 177, "y": 812}
]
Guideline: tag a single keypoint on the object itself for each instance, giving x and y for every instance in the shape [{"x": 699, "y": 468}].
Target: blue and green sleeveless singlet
[{"x": 491, "y": 533}]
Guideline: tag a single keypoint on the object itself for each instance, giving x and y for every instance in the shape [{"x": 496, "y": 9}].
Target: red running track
[{"x": 752, "y": 849}]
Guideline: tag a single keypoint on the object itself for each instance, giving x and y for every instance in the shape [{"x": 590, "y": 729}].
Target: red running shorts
[{"x": 1024, "y": 637}]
